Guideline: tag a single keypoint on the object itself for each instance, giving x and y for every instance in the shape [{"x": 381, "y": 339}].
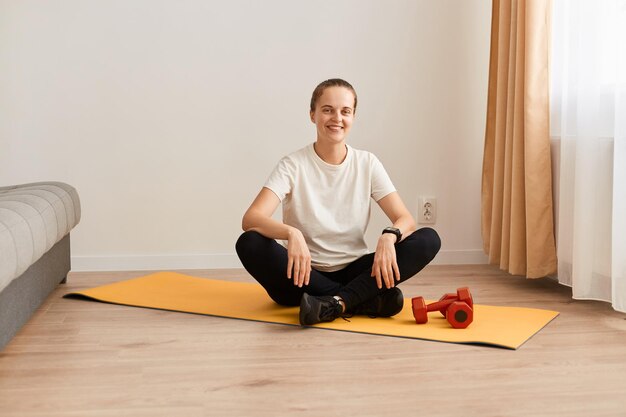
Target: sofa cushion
[{"x": 33, "y": 217}]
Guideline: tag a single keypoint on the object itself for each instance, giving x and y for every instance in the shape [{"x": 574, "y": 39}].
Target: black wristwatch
[{"x": 394, "y": 231}]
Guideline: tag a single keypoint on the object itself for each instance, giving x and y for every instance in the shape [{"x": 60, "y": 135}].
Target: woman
[{"x": 326, "y": 190}]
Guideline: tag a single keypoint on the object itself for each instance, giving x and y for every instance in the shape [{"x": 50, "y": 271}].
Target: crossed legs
[{"x": 266, "y": 261}]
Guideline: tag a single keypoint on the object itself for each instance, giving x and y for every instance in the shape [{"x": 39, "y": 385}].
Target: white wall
[{"x": 167, "y": 116}]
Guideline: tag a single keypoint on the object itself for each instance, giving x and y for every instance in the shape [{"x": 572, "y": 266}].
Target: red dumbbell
[{"x": 457, "y": 308}]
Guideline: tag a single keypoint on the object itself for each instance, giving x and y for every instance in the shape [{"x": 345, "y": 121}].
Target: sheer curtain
[{"x": 588, "y": 130}]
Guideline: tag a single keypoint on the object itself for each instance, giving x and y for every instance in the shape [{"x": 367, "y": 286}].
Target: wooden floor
[{"x": 79, "y": 358}]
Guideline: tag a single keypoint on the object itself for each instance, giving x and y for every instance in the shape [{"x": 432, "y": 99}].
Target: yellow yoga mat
[{"x": 507, "y": 327}]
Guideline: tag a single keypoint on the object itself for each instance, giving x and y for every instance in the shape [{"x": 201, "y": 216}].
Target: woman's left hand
[{"x": 385, "y": 268}]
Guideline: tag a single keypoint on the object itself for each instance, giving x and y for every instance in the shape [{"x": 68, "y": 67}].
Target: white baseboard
[
  {"x": 461, "y": 257},
  {"x": 223, "y": 261},
  {"x": 154, "y": 262}
]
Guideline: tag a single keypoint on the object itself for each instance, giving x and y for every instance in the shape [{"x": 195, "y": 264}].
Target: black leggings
[{"x": 266, "y": 261}]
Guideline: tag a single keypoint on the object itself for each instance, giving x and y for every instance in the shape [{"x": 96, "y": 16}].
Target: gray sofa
[{"x": 35, "y": 224}]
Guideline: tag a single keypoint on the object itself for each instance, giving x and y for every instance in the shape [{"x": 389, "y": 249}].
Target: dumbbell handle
[{"x": 441, "y": 305}]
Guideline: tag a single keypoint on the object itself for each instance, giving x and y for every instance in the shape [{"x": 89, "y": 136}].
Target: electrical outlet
[{"x": 427, "y": 210}]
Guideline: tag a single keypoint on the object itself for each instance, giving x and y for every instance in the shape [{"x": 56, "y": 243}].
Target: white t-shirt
[{"x": 330, "y": 204}]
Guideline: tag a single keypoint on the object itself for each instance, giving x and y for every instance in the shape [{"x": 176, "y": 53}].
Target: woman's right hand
[
  {"x": 299, "y": 258},
  {"x": 258, "y": 218}
]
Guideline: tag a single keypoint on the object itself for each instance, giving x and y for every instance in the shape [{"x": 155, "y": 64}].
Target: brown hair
[{"x": 333, "y": 82}]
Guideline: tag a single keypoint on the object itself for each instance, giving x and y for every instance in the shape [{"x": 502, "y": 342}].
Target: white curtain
[{"x": 588, "y": 130}]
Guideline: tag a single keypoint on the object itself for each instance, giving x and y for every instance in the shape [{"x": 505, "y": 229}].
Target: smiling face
[{"x": 334, "y": 114}]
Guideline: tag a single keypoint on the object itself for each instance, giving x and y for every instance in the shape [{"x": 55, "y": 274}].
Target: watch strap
[{"x": 394, "y": 231}]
